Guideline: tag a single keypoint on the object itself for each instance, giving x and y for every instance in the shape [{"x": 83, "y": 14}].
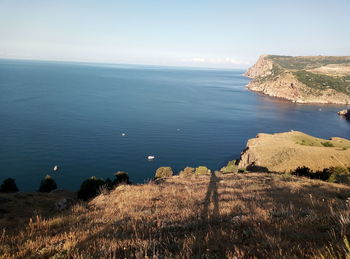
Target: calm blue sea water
[{"x": 73, "y": 115}]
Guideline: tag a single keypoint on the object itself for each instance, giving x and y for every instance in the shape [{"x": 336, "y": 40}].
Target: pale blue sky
[{"x": 220, "y": 33}]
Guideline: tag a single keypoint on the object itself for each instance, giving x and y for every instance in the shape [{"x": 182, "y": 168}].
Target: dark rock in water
[{"x": 345, "y": 113}]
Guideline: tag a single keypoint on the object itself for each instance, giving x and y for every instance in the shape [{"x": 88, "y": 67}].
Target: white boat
[
  {"x": 123, "y": 134},
  {"x": 151, "y": 157},
  {"x": 55, "y": 168}
]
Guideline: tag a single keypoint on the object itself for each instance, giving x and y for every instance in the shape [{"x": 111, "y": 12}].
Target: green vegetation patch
[
  {"x": 231, "y": 167},
  {"x": 298, "y": 63},
  {"x": 187, "y": 172},
  {"x": 323, "y": 82},
  {"x": 307, "y": 140},
  {"x": 48, "y": 184},
  {"x": 202, "y": 170},
  {"x": 8, "y": 185},
  {"x": 90, "y": 188},
  {"x": 327, "y": 144},
  {"x": 339, "y": 175},
  {"x": 163, "y": 172}
]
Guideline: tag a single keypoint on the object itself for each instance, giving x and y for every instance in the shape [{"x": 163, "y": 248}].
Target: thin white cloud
[{"x": 216, "y": 61}]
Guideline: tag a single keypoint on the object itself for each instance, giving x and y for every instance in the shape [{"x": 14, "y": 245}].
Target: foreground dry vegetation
[{"x": 218, "y": 216}]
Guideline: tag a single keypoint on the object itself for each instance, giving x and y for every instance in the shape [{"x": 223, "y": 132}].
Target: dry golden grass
[
  {"x": 284, "y": 152},
  {"x": 219, "y": 216}
]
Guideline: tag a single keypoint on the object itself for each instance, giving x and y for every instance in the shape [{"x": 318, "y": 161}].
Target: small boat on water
[
  {"x": 123, "y": 134},
  {"x": 55, "y": 168},
  {"x": 151, "y": 157}
]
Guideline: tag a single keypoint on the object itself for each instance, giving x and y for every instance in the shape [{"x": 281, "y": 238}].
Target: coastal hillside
[
  {"x": 284, "y": 152},
  {"x": 303, "y": 79},
  {"x": 239, "y": 215}
]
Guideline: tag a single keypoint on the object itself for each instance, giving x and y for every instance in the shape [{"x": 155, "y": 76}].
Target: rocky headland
[
  {"x": 308, "y": 79},
  {"x": 284, "y": 152}
]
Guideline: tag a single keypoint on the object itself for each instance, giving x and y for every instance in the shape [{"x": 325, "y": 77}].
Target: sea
[{"x": 97, "y": 119}]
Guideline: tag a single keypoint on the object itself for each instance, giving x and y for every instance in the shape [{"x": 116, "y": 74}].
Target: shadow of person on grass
[{"x": 209, "y": 230}]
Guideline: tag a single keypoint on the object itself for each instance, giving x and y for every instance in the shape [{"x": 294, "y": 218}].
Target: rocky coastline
[{"x": 275, "y": 77}]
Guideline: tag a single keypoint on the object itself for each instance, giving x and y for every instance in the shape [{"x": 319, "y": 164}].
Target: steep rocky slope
[
  {"x": 318, "y": 79},
  {"x": 283, "y": 152}
]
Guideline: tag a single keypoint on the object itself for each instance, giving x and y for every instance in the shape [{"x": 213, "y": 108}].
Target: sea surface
[{"x": 74, "y": 114}]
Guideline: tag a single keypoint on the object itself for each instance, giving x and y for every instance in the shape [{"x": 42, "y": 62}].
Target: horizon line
[{"x": 122, "y": 63}]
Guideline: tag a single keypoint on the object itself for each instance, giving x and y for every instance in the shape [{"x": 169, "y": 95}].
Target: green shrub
[
  {"x": 339, "y": 175},
  {"x": 327, "y": 144},
  {"x": 187, "y": 172},
  {"x": 8, "y": 186},
  {"x": 231, "y": 167},
  {"x": 202, "y": 170},
  {"x": 163, "y": 172},
  {"x": 109, "y": 184},
  {"x": 47, "y": 184},
  {"x": 121, "y": 177},
  {"x": 90, "y": 188},
  {"x": 303, "y": 171}
]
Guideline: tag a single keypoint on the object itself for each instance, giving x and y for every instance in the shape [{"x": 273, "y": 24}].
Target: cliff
[
  {"x": 318, "y": 79},
  {"x": 284, "y": 152}
]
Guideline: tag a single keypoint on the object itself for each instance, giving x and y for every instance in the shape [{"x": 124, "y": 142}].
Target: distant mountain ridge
[{"x": 302, "y": 79}]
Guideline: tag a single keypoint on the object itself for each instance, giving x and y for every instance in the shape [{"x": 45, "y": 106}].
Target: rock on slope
[
  {"x": 316, "y": 79},
  {"x": 283, "y": 152}
]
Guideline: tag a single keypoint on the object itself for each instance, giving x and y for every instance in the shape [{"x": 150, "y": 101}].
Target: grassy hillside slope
[
  {"x": 283, "y": 152},
  {"x": 218, "y": 216}
]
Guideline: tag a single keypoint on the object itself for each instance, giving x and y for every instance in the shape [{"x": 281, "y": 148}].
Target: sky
[{"x": 203, "y": 33}]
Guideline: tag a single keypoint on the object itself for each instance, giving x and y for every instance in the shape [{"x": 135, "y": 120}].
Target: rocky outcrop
[
  {"x": 263, "y": 67},
  {"x": 276, "y": 80},
  {"x": 345, "y": 113},
  {"x": 283, "y": 152}
]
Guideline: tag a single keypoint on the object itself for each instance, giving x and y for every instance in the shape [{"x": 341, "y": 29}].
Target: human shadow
[
  {"x": 211, "y": 195},
  {"x": 208, "y": 230}
]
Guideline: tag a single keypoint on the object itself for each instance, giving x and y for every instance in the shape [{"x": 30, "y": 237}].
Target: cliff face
[
  {"x": 263, "y": 67},
  {"x": 302, "y": 79},
  {"x": 284, "y": 152}
]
